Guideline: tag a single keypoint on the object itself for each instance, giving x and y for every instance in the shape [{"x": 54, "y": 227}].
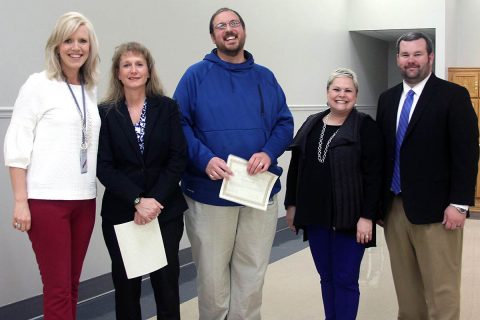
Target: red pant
[{"x": 60, "y": 234}]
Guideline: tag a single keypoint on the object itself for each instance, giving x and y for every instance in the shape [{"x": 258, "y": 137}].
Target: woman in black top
[
  {"x": 141, "y": 156},
  {"x": 333, "y": 190}
]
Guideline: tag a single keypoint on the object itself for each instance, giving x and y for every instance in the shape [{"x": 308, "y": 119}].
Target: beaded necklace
[{"x": 321, "y": 156}]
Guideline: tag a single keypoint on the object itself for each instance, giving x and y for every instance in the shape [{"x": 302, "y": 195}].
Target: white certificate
[
  {"x": 141, "y": 247},
  {"x": 251, "y": 191}
]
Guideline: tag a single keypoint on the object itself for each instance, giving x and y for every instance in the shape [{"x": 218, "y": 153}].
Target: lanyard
[{"x": 83, "y": 116}]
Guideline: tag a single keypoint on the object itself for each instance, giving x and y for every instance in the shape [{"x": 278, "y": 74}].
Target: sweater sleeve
[
  {"x": 282, "y": 132},
  {"x": 184, "y": 95},
  {"x": 372, "y": 167},
  {"x": 20, "y": 135}
]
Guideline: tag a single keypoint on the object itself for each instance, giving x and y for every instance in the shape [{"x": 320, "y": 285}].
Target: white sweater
[{"x": 44, "y": 137}]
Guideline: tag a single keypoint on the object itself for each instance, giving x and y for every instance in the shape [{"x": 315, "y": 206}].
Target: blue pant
[{"x": 337, "y": 257}]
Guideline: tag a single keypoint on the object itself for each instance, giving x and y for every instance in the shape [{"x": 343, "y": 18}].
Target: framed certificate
[{"x": 251, "y": 191}]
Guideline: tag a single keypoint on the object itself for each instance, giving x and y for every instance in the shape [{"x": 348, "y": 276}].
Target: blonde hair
[
  {"x": 66, "y": 25},
  {"x": 343, "y": 72},
  {"x": 115, "y": 92}
]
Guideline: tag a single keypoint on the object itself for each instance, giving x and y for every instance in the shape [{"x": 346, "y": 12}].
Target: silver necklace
[{"x": 321, "y": 157}]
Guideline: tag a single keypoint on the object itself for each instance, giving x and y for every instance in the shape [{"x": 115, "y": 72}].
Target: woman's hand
[
  {"x": 148, "y": 209},
  {"x": 290, "y": 217},
  {"x": 364, "y": 230},
  {"x": 22, "y": 219},
  {"x": 138, "y": 219}
]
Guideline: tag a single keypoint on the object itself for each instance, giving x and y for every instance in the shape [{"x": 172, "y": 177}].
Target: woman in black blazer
[{"x": 141, "y": 156}]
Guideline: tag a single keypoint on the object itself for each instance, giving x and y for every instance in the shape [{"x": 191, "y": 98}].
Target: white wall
[
  {"x": 394, "y": 76},
  {"x": 380, "y": 14},
  {"x": 450, "y": 33},
  {"x": 406, "y": 14},
  {"x": 466, "y": 41},
  {"x": 301, "y": 41}
]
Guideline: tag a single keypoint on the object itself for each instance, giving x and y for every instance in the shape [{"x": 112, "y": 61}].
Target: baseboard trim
[{"x": 32, "y": 308}]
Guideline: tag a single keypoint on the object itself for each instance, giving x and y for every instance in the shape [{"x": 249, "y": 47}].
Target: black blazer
[
  {"x": 439, "y": 154},
  {"x": 126, "y": 173}
]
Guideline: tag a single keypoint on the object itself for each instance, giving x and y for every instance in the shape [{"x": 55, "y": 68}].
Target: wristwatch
[
  {"x": 136, "y": 201},
  {"x": 461, "y": 210}
]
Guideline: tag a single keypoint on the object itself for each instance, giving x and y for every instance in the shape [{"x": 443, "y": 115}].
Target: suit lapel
[
  {"x": 126, "y": 126},
  {"x": 392, "y": 114},
  {"x": 153, "y": 110},
  {"x": 422, "y": 103}
]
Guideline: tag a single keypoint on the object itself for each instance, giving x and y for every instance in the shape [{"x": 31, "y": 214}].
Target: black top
[
  {"x": 314, "y": 199},
  {"x": 127, "y": 173},
  {"x": 319, "y": 176}
]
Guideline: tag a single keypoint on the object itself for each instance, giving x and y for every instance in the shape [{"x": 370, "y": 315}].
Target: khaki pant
[
  {"x": 231, "y": 250},
  {"x": 426, "y": 264}
]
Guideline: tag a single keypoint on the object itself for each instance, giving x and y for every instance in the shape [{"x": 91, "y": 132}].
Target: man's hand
[
  {"x": 217, "y": 169},
  {"x": 259, "y": 162},
  {"x": 452, "y": 219}
]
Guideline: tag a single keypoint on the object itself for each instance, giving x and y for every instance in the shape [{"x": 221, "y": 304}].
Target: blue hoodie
[{"x": 230, "y": 108}]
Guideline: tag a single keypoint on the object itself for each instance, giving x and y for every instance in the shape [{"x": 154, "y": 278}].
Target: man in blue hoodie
[{"x": 230, "y": 105}]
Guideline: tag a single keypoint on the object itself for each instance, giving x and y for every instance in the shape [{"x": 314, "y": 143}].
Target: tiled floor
[
  {"x": 102, "y": 308},
  {"x": 292, "y": 290}
]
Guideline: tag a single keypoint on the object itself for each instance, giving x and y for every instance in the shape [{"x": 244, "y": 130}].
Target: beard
[
  {"x": 231, "y": 50},
  {"x": 416, "y": 76}
]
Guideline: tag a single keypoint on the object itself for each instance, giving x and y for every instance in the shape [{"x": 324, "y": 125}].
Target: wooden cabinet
[{"x": 469, "y": 78}]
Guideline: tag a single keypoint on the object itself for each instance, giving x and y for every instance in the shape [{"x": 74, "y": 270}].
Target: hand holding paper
[
  {"x": 141, "y": 247},
  {"x": 259, "y": 162},
  {"x": 249, "y": 190}
]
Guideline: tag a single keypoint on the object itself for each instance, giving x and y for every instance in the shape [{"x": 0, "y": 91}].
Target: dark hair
[
  {"x": 223, "y": 10},
  {"x": 411, "y": 36}
]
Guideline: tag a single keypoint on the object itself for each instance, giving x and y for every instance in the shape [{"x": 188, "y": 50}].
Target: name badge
[{"x": 83, "y": 161}]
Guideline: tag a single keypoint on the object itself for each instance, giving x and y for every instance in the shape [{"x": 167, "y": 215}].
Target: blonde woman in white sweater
[{"x": 51, "y": 151}]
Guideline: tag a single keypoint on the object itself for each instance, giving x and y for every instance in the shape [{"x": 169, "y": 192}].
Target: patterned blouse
[{"x": 140, "y": 127}]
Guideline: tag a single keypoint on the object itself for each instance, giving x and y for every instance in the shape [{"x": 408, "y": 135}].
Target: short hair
[
  {"x": 210, "y": 26},
  {"x": 115, "y": 91},
  {"x": 343, "y": 73},
  {"x": 411, "y": 36},
  {"x": 66, "y": 25}
]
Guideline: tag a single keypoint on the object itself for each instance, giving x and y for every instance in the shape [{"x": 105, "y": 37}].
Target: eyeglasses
[{"x": 232, "y": 24}]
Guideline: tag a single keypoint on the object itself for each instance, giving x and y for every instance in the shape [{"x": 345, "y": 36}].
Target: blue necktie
[{"x": 401, "y": 129}]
